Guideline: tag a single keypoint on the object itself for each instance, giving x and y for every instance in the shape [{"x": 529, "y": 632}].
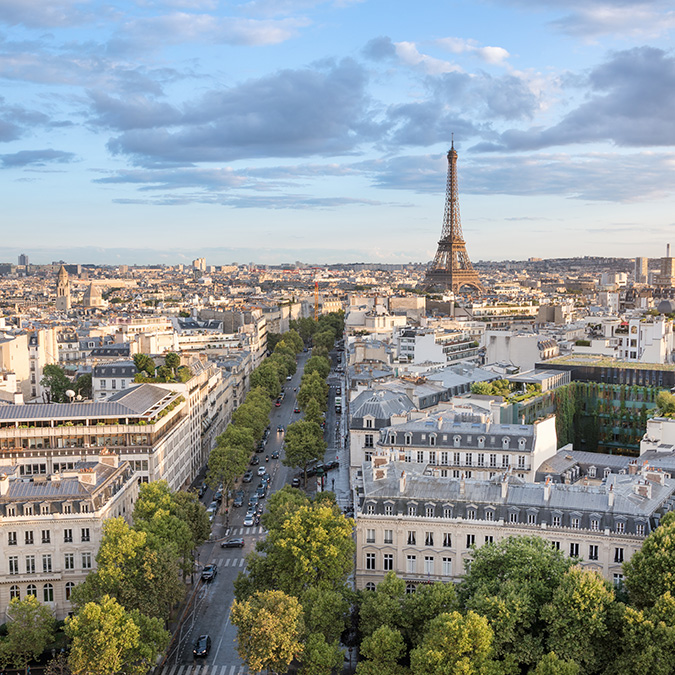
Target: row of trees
[
  {"x": 294, "y": 603},
  {"x": 230, "y": 457},
  {"x": 170, "y": 371},
  {"x": 121, "y": 609},
  {"x": 523, "y": 607}
]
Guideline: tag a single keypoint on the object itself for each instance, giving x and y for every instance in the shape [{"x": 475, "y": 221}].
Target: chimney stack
[
  {"x": 610, "y": 496},
  {"x": 547, "y": 490},
  {"x": 505, "y": 486},
  {"x": 401, "y": 483}
]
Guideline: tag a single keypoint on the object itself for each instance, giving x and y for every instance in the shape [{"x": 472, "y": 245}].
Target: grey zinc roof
[
  {"x": 142, "y": 398},
  {"x": 380, "y": 404},
  {"x": 115, "y": 369}
]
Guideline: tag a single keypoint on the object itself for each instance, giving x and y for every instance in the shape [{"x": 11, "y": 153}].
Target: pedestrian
[{"x": 333, "y": 479}]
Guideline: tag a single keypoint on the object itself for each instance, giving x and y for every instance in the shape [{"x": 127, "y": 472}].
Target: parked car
[
  {"x": 247, "y": 477},
  {"x": 333, "y": 464},
  {"x": 248, "y": 520},
  {"x": 209, "y": 572},
  {"x": 238, "y": 501},
  {"x": 295, "y": 482},
  {"x": 202, "y": 646},
  {"x": 254, "y": 460},
  {"x": 202, "y": 490},
  {"x": 213, "y": 506},
  {"x": 235, "y": 542},
  {"x": 277, "y": 403},
  {"x": 289, "y": 378}
]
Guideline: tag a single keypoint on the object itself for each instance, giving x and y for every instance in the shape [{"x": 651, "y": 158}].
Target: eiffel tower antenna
[{"x": 451, "y": 268}]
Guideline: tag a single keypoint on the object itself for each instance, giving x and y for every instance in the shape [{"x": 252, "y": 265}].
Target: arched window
[
  {"x": 31, "y": 590},
  {"x": 14, "y": 592},
  {"x": 370, "y": 586},
  {"x": 521, "y": 444},
  {"x": 505, "y": 442},
  {"x": 481, "y": 441},
  {"x": 408, "y": 439},
  {"x": 48, "y": 593},
  {"x": 69, "y": 589},
  {"x": 457, "y": 440},
  {"x": 432, "y": 439},
  {"x": 410, "y": 588}
]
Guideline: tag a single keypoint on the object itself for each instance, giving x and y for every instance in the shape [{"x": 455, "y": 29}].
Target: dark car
[
  {"x": 296, "y": 410},
  {"x": 261, "y": 492},
  {"x": 295, "y": 482},
  {"x": 275, "y": 455},
  {"x": 209, "y": 572},
  {"x": 334, "y": 464},
  {"x": 202, "y": 490},
  {"x": 202, "y": 646},
  {"x": 238, "y": 501},
  {"x": 280, "y": 429},
  {"x": 254, "y": 460},
  {"x": 247, "y": 477},
  {"x": 235, "y": 542}
]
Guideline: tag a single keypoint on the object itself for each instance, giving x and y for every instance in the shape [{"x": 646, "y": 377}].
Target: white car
[
  {"x": 262, "y": 470},
  {"x": 248, "y": 520}
]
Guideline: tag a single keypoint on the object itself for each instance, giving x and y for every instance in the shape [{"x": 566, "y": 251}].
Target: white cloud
[
  {"x": 493, "y": 55},
  {"x": 408, "y": 53}
]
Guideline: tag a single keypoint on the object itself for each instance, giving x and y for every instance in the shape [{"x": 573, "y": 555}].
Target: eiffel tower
[{"x": 451, "y": 268}]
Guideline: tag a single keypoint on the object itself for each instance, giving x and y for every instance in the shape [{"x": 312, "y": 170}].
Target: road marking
[
  {"x": 171, "y": 669},
  {"x": 241, "y": 562},
  {"x": 232, "y": 670},
  {"x": 222, "y": 637},
  {"x": 180, "y": 670},
  {"x": 227, "y": 562}
]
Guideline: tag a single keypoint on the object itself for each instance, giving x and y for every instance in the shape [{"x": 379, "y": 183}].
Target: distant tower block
[
  {"x": 62, "y": 291},
  {"x": 451, "y": 268}
]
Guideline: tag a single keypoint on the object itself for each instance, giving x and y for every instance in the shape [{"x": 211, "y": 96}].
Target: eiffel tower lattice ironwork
[{"x": 451, "y": 268}]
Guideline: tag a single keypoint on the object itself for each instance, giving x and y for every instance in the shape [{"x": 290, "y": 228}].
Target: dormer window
[
  {"x": 368, "y": 422},
  {"x": 432, "y": 439},
  {"x": 505, "y": 443},
  {"x": 521, "y": 444},
  {"x": 457, "y": 440},
  {"x": 408, "y": 439},
  {"x": 481, "y": 441},
  {"x": 592, "y": 472}
]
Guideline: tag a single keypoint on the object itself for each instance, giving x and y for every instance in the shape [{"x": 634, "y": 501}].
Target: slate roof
[
  {"x": 380, "y": 404},
  {"x": 115, "y": 369}
]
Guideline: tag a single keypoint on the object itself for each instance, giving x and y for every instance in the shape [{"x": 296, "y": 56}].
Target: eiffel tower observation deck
[{"x": 452, "y": 268}]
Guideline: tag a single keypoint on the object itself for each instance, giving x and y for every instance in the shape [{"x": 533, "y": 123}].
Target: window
[
  {"x": 86, "y": 560},
  {"x": 620, "y": 527},
  {"x": 505, "y": 461},
  {"x": 429, "y": 511},
  {"x": 447, "y": 567},
  {"x": 411, "y": 564},
  {"x": 46, "y": 536},
  {"x": 389, "y": 536},
  {"x": 370, "y": 509},
  {"x": 432, "y": 439},
  {"x": 68, "y": 536},
  {"x": 388, "y": 561},
  {"x": 369, "y": 441},
  {"x": 481, "y": 459},
  {"x": 595, "y": 524},
  {"x": 489, "y": 515},
  {"x": 428, "y": 538},
  {"x": 481, "y": 441},
  {"x": 618, "y": 579},
  {"x": 11, "y": 538},
  {"x": 84, "y": 507},
  {"x": 30, "y": 564},
  {"x": 444, "y": 458},
  {"x": 457, "y": 440},
  {"x": 640, "y": 529},
  {"x": 102, "y": 384},
  {"x": 420, "y": 457},
  {"x": 470, "y": 540},
  {"x": 13, "y": 564},
  {"x": 469, "y": 459},
  {"x": 27, "y": 510},
  {"x": 432, "y": 457},
  {"x": 412, "y": 538},
  {"x": 593, "y": 552},
  {"x": 618, "y": 555},
  {"x": 455, "y": 458},
  {"x": 505, "y": 443},
  {"x": 555, "y": 545},
  {"x": 489, "y": 539},
  {"x": 493, "y": 461},
  {"x": 370, "y": 561},
  {"x": 408, "y": 439},
  {"x": 521, "y": 461},
  {"x": 412, "y": 510},
  {"x": 85, "y": 534},
  {"x": 447, "y": 512},
  {"x": 370, "y": 536},
  {"x": 410, "y": 589},
  {"x": 513, "y": 517},
  {"x": 69, "y": 589},
  {"x": 48, "y": 593},
  {"x": 31, "y": 589},
  {"x": 388, "y": 510},
  {"x": 471, "y": 514},
  {"x": 556, "y": 521},
  {"x": 428, "y": 564},
  {"x": 69, "y": 561},
  {"x": 369, "y": 423},
  {"x": 14, "y": 592},
  {"x": 408, "y": 456},
  {"x": 370, "y": 586},
  {"x": 531, "y": 518},
  {"x": 44, "y": 509},
  {"x": 574, "y": 550},
  {"x": 28, "y": 537},
  {"x": 46, "y": 562},
  {"x": 447, "y": 540},
  {"x": 574, "y": 522}
]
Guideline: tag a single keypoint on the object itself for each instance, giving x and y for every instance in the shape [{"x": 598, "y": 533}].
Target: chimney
[
  {"x": 547, "y": 490},
  {"x": 667, "y": 250},
  {"x": 109, "y": 458},
  {"x": 610, "y": 496},
  {"x": 4, "y": 484},
  {"x": 505, "y": 486},
  {"x": 401, "y": 483},
  {"x": 632, "y": 467},
  {"x": 462, "y": 485},
  {"x": 87, "y": 476}
]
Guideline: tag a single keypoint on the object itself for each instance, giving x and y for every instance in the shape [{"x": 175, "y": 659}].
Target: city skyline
[{"x": 271, "y": 131}]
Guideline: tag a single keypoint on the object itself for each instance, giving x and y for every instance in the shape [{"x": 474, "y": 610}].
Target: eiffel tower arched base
[{"x": 452, "y": 281}]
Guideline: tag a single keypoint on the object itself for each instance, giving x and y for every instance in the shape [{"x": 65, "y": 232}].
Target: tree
[
  {"x": 266, "y": 376},
  {"x": 55, "y": 379},
  {"x": 293, "y": 339},
  {"x": 318, "y": 364},
  {"x": 326, "y": 611},
  {"x": 313, "y": 412},
  {"x": 281, "y": 505},
  {"x": 455, "y": 644},
  {"x": 383, "y": 650},
  {"x": 83, "y": 385},
  {"x": 481, "y": 388},
  {"x": 320, "y": 657},
  {"x": 305, "y": 327},
  {"x": 421, "y": 607},
  {"x": 30, "y": 628},
  {"x": 272, "y": 340},
  {"x": 313, "y": 386},
  {"x": 551, "y": 664},
  {"x": 269, "y": 629},
  {"x": 665, "y": 402},
  {"x": 172, "y": 360},
  {"x": 164, "y": 374},
  {"x": 579, "y": 619},
  {"x": 326, "y": 338},
  {"x": 191, "y": 511},
  {"x": 304, "y": 444},
  {"x": 225, "y": 465},
  {"x": 144, "y": 364},
  {"x": 107, "y": 639},
  {"x": 650, "y": 573},
  {"x": 384, "y": 606}
]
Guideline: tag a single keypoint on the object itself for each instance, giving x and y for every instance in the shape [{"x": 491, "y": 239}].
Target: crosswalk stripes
[
  {"x": 201, "y": 669},
  {"x": 229, "y": 562}
]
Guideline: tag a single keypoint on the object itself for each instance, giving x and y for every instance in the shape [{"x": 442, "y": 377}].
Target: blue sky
[{"x": 282, "y": 130}]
